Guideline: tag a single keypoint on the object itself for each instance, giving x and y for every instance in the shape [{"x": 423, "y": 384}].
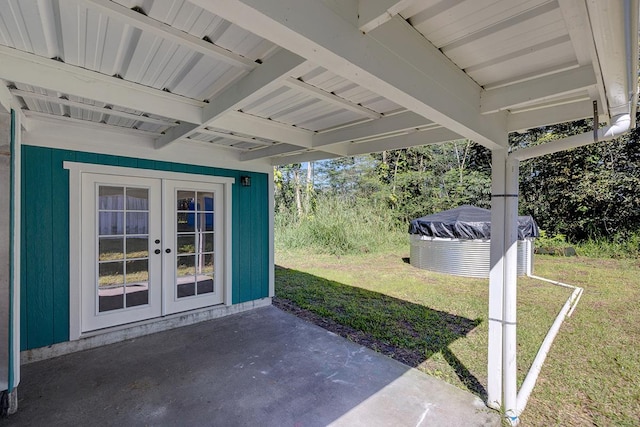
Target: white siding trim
[{"x": 144, "y": 173}]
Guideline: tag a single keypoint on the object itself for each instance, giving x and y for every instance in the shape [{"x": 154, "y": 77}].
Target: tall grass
[
  {"x": 340, "y": 226},
  {"x": 619, "y": 246}
]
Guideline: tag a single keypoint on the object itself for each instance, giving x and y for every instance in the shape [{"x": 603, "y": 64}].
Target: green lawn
[{"x": 438, "y": 323}]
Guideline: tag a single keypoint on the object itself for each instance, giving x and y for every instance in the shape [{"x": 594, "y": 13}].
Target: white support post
[
  {"x": 509, "y": 348},
  {"x": 496, "y": 282}
]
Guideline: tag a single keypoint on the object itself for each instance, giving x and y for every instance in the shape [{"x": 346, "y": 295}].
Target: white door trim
[{"x": 76, "y": 169}]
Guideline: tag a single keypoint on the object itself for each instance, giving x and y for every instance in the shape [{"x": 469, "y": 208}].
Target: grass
[{"x": 438, "y": 324}]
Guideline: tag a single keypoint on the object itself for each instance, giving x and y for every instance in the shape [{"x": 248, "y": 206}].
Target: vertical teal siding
[{"x": 45, "y": 236}]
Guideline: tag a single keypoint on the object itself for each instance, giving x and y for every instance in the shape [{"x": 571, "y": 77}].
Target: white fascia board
[
  {"x": 104, "y": 141},
  {"x": 30, "y": 69},
  {"x": 414, "y": 139},
  {"x": 167, "y": 32},
  {"x": 311, "y": 156},
  {"x": 393, "y": 60},
  {"x": 389, "y": 124},
  {"x": 540, "y": 89},
  {"x": 247, "y": 124},
  {"x": 549, "y": 116}
]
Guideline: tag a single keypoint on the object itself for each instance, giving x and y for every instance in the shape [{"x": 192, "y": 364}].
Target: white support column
[
  {"x": 496, "y": 281},
  {"x": 502, "y": 367},
  {"x": 509, "y": 348}
]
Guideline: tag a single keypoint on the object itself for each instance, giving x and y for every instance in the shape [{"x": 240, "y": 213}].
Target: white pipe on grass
[{"x": 532, "y": 375}]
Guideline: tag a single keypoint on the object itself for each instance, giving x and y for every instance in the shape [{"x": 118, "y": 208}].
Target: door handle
[{"x": 168, "y": 250}]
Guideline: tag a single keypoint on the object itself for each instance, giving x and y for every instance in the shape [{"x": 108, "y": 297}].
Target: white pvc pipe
[
  {"x": 534, "y": 372},
  {"x": 619, "y": 126}
]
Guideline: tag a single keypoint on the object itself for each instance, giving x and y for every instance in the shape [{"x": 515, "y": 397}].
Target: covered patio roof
[
  {"x": 300, "y": 80},
  {"x": 269, "y": 82}
]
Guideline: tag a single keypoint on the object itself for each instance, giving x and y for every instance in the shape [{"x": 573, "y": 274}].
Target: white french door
[
  {"x": 149, "y": 247},
  {"x": 193, "y": 230}
]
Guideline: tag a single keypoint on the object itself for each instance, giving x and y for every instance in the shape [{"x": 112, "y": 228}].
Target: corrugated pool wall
[{"x": 45, "y": 236}]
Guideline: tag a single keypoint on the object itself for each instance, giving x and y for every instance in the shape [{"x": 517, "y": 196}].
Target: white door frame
[{"x": 76, "y": 170}]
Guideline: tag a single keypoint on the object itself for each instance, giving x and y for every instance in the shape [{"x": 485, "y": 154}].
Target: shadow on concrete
[
  {"x": 263, "y": 367},
  {"x": 407, "y": 332}
]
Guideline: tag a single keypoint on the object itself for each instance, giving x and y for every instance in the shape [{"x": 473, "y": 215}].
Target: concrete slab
[{"x": 259, "y": 368}]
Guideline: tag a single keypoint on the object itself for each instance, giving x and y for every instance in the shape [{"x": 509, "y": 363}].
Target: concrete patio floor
[{"x": 258, "y": 368}]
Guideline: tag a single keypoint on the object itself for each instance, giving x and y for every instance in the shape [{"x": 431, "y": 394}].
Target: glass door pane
[
  {"x": 123, "y": 242},
  {"x": 195, "y": 243}
]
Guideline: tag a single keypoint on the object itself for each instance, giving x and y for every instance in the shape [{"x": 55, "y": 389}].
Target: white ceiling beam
[
  {"x": 246, "y": 124},
  {"x": 89, "y": 107},
  {"x": 275, "y": 150},
  {"x": 373, "y": 13},
  {"x": 330, "y": 98},
  {"x": 549, "y": 116},
  {"x": 29, "y": 69},
  {"x": 311, "y": 156},
  {"x": 388, "y": 124},
  {"x": 233, "y": 136},
  {"x": 540, "y": 89},
  {"x": 393, "y": 60},
  {"x": 167, "y": 32},
  {"x": 254, "y": 85},
  {"x": 87, "y": 123},
  {"x": 413, "y": 139}
]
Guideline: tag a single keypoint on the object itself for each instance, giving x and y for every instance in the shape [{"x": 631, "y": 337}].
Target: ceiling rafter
[
  {"x": 393, "y": 60},
  {"x": 89, "y": 107},
  {"x": 388, "y": 124},
  {"x": 373, "y": 13},
  {"x": 552, "y": 115},
  {"x": 412, "y": 139},
  {"x": 89, "y": 123},
  {"x": 275, "y": 150},
  {"x": 330, "y": 97},
  {"x": 309, "y": 156},
  {"x": 540, "y": 89},
  {"x": 247, "y": 124},
  {"x": 254, "y": 85},
  {"x": 167, "y": 32},
  {"x": 235, "y": 137},
  {"x": 33, "y": 70}
]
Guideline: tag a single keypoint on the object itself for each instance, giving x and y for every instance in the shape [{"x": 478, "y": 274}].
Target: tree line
[{"x": 588, "y": 192}]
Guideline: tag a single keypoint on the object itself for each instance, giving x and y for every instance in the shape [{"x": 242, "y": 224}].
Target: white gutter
[
  {"x": 619, "y": 126},
  {"x": 532, "y": 376}
]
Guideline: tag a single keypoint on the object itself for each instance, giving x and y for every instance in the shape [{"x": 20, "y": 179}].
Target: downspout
[{"x": 620, "y": 125}]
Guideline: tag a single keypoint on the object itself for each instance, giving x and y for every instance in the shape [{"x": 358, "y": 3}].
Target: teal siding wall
[{"x": 45, "y": 236}]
